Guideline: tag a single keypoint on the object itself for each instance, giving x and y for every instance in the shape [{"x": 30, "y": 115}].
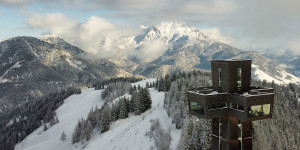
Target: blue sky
[
  {"x": 13, "y": 18},
  {"x": 251, "y": 23}
]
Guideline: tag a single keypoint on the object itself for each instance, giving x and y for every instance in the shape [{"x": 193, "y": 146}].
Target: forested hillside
[
  {"x": 280, "y": 132},
  {"x": 283, "y": 130},
  {"x": 23, "y": 120},
  {"x": 101, "y": 119},
  {"x": 20, "y": 122}
]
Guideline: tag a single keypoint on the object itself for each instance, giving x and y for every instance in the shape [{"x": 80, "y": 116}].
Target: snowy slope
[
  {"x": 74, "y": 107},
  {"x": 129, "y": 133}
]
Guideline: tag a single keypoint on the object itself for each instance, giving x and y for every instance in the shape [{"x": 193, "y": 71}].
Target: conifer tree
[
  {"x": 105, "y": 119},
  {"x": 76, "y": 133},
  {"x": 135, "y": 100},
  {"x": 89, "y": 129},
  {"x": 123, "y": 110},
  {"x": 130, "y": 106},
  {"x": 144, "y": 99},
  {"x": 92, "y": 118},
  {"x": 63, "y": 136},
  {"x": 187, "y": 130},
  {"x": 115, "y": 111},
  {"x": 45, "y": 127}
]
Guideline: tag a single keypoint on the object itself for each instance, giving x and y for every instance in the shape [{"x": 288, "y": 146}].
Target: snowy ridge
[
  {"x": 129, "y": 133},
  {"x": 285, "y": 77}
]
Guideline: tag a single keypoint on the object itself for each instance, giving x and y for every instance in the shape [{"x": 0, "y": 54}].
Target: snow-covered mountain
[
  {"x": 129, "y": 133},
  {"x": 186, "y": 48},
  {"x": 34, "y": 67}
]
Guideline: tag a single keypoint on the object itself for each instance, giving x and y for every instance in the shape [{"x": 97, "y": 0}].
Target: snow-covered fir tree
[
  {"x": 123, "y": 113},
  {"x": 105, "y": 119},
  {"x": 63, "y": 136},
  {"x": 115, "y": 111},
  {"x": 76, "y": 134}
]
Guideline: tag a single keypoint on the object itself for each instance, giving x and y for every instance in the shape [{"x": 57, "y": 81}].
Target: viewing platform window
[
  {"x": 236, "y": 106},
  {"x": 240, "y": 131},
  {"x": 217, "y": 106},
  {"x": 220, "y": 76},
  {"x": 259, "y": 110},
  {"x": 196, "y": 107},
  {"x": 239, "y": 78}
]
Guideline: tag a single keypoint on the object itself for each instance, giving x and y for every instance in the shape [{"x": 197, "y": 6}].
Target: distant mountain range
[
  {"x": 32, "y": 67},
  {"x": 284, "y": 57},
  {"x": 187, "y": 48}
]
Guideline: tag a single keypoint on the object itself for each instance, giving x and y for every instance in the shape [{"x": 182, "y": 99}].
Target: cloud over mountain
[
  {"x": 105, "y": 39},
  {"x": 252, "y": 23}
]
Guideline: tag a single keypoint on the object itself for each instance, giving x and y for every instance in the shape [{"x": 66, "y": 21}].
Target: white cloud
[
  {"x": 216, "y": 35},
  {"x": 294, "y": 46},
  {"x": 96, "y": 36},
  {"x": 151, "y": 49},
  {"x": 252, "y": 23},
  {"x": 104, "y": 39},
  {"x": 57, "y": 23},
  {"x": 19, "y": 2},
  {"x": 209, "y": 7}
]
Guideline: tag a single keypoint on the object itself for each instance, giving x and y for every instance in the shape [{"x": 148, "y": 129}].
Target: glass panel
[
  {"x": 220, "y": 75},
  {"x": 220, "y": 129},
  {"x": 259, "y": 110},
  {"x": 239, "y": 77},
  {"x": 196, "y": 107},
  {"x": 266, "y": 108},
  {"x": 240, "y": 130},
  {"x": 216, "y": 106},
  {"x": 240, "y": 107},
  {"x": 234, "y": 106},
  {"x": 221, "y": 105}
]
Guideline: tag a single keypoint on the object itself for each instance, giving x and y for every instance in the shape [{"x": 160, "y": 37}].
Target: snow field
[
  {"x": 74, "y": 108},
  {"x": 129, "y": 133}
]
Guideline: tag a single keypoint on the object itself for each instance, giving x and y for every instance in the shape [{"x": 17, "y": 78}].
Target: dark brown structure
[{"x": 232, "y": 104}]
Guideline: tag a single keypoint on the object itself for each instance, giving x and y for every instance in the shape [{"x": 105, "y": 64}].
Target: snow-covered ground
[
  {"x": 74, "y": 107},
  {"x": 129, "y": 133}
]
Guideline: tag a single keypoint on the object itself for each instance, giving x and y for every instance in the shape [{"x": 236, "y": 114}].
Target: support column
[
  {"x": 215, "y": 134},
  {"x": 226, "y": 138},
  {"x": 247, "y": 135},
  {"x": 229, "y": 133}
]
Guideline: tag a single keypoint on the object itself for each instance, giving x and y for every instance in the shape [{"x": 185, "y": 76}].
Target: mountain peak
[
  {"x": 171, "y": 31},
  {"x": 57, "y": 41}
]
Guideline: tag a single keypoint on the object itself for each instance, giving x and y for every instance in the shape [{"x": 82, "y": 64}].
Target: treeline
[
  {"x": 114, "y": 90},
  {"x": 164, "y": 83},
  {"x": 283, "y": 130},
  {"x": 175, "y": 87},
  {"x": 139, "y": 102},
  {"x": 195, "y": 132},
  {"x": 101, "y": 84},
  {"x": 17, "y": 124}
]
